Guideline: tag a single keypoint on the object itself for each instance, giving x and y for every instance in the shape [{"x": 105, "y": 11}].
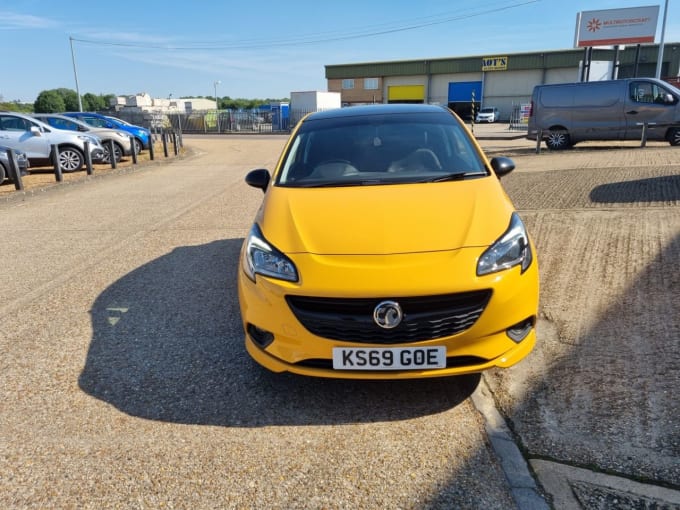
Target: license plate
[{"x": 388, "y": 358}]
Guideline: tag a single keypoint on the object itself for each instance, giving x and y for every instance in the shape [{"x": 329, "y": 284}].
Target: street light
[{"x": 217, "y": 107}]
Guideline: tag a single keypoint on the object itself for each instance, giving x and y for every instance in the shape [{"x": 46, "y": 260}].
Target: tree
[
  {"x": 70, "y": 99},
  {"x": 49, "y": 101},
  {"x": 92, "y": 103},
  {"x": 16, "y": 106}
]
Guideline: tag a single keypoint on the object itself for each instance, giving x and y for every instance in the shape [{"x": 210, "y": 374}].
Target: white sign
[{"x": 616, "y": 26}]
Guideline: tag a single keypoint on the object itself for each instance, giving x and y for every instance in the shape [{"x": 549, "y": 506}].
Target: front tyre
[
  {"x": 117, "y": 152},
  {"x": 138, "y": 145},
  {"x": 558, "y": 140},
  {"x": 70, "y": 159},
  {"x": 674, "y": 136}
]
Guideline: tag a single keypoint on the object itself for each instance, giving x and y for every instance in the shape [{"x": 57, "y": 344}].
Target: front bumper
[{"x": 291, "y": 347}]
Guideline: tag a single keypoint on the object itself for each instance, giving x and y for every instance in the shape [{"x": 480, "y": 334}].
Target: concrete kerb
[{"x": 522, "y": 484}]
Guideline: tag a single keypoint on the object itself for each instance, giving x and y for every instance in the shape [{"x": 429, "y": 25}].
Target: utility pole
[{"x": 75, "y": 73}]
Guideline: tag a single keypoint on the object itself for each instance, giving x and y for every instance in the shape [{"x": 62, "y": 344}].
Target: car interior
[{"x": 376, "y": 151}]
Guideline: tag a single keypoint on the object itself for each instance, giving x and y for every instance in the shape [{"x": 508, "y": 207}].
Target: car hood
[{"x": 387, "y": 219}]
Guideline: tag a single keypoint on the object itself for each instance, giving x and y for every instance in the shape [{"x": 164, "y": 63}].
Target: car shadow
[
  {"x": 167, "y": 345},
  {"x": 653, "y": 189}
]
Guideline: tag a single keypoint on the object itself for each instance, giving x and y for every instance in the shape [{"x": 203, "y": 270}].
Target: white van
[{"x": 568, "y": 113}]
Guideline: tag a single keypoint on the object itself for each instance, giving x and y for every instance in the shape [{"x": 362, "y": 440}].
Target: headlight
[
  {"x": 87, "y": 138},
  {"x": 512, "y": 249},
  {"x": 259, "y": 257}
]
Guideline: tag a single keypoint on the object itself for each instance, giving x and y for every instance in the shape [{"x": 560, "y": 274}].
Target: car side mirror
[
  {"x": 35, "y": 131},
  {"x": 502, "y": 166},
  {"x": 258, "y": 178},
  {"x": 669, "y": 99}
]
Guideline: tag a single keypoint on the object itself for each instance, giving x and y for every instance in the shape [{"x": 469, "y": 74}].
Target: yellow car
[{"x": 386, "y": 248}]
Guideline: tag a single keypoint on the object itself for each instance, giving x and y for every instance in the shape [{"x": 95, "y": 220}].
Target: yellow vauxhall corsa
[{"x": 386, "y": 248}]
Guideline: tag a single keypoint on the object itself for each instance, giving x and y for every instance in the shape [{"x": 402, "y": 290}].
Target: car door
[
  {"x": 648, "y": 103},
  {"x": 15, "y": 132}
]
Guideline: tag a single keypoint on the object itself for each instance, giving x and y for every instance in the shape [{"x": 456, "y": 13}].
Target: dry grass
[{"x": 44, "y": 177}]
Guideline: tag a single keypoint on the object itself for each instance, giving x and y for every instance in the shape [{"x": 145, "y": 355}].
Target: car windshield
[
  {"x": 486, "y": 110},
  {"x": 391, "y": 148}
]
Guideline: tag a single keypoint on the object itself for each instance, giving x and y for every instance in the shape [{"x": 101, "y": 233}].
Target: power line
[{"x": 370, "y": 31}]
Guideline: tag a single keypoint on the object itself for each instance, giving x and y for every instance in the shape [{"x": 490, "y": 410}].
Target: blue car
[{"x": 142, "y": 135}]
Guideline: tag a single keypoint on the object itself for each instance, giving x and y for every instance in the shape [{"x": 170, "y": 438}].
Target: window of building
[
  {"x": 348, "y": 83},
  {"x": 370, "y": 83}
]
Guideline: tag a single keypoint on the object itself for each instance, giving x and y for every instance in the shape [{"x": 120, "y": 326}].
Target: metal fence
[
  {"x": 519, "y": 116},
  {"x": 213, "y": 121},
  {"x": 255, "y": 121}
]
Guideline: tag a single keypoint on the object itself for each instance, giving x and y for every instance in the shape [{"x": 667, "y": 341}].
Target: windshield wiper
[
  {"x": 340, "y": 184},
  {"x": 458, "y": 176}
]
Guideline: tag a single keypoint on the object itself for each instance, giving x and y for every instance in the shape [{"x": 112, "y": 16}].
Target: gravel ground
[
  {"x": 124, "y": 382},
  {"x": 601, "y": 387}
]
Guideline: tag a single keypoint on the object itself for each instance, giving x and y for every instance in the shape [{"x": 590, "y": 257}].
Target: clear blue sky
[{"x": 263, "y": 48}]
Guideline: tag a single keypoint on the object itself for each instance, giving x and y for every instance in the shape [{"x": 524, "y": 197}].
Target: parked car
[
  {"x": 21, "y": 159},
  {"x": 429, "y": 271},
  {"x": 34, "y": 137},
  {"x": 141, "y": 134},
  {"x": 122, "y": 146},
  {"x": 568, "y": 113},
  {"x": 487, "y": 114}
]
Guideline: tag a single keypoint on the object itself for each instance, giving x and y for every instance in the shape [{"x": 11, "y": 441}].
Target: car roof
[{"x": 377, "y": 109}]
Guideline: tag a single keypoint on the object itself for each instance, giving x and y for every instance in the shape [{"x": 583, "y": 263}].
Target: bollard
[
  {"x": 175, "y": 148},
  {"x": 539, "y": 139},
  {"x": 14, "y": 172},
  {"x": 88, "y": 157},
  {"x": 112, "y": 155},
  {"x": 643, "y": 142},
  {"x": 165, "y": 144},
  {"x": 54, "y": 156},
  {"x": 134, "y": 151},
  {"x": 151, "y": 153}
]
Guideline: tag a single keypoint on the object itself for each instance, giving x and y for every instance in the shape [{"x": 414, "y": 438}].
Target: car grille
[{"x": 424, "y": 318}]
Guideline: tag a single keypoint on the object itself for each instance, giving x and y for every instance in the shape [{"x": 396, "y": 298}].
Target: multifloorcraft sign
[{"x": 616, "y": 26}]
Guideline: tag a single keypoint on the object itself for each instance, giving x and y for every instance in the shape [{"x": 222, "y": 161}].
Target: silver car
[
  {"x": 36, "y": 138},
  {"x": 21, "y": 159},
  {"x": 122, "y": 146}
]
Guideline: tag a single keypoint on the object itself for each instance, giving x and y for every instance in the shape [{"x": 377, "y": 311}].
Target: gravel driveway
[{"x": 124, "y": 382}]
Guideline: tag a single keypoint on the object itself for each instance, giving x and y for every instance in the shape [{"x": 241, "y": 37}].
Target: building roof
[{"x": 515, "y": 61}]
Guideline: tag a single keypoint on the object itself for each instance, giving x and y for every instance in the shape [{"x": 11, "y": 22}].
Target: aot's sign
[
  {"x": 616, "y": 26},
  {"x": 494, "y": 63}
]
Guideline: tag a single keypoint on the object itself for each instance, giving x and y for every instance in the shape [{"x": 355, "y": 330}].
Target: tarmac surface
[{"x": 124, "y": 382}]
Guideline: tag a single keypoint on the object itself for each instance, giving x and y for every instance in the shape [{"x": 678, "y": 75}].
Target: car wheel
[
  {"x": 557, "y": 140},
  {"x": 674, "y": 137},
  {"x": 3, "y": 173},
  {"x": 70, "y": 159},
  {"x": 138, "y": 146},
  {"x": 117, "y": 152}
]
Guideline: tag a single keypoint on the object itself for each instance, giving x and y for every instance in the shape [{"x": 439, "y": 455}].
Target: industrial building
[{"x": 502, "y": 80}]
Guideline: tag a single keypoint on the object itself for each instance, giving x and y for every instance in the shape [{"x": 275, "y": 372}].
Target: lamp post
[
  {"x": 217, "y": 106},
  {"x": 75, "y": 73}
]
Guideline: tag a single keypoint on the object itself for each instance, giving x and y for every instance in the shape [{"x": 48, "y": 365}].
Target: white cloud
[{"x": 12, "y": 21}]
